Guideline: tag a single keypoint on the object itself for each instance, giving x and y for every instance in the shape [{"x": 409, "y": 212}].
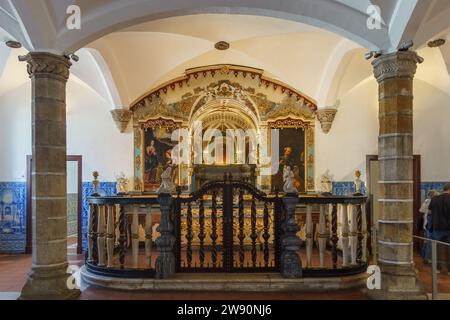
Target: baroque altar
[{"x": 223, "y": 98}]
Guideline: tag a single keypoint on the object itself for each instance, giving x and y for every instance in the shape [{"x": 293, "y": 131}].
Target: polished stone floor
[{"x": 14, "y": 268}]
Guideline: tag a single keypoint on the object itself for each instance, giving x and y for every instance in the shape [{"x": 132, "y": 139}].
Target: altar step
[{"x": 227, "y": 282}]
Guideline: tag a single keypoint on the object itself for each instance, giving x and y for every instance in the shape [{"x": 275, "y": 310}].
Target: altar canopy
[{"x": 223, "y": 119}]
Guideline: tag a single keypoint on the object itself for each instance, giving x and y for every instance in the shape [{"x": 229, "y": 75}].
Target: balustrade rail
[
  {"x": 333, "y": 230},
  {"x": 227, "y": 226},
  {"x": 121, "y": 236}
]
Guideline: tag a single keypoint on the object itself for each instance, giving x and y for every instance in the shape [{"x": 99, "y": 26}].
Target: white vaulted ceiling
[
  {"x": 316, "y": 46},
  {"x": 41, "y": 24}
]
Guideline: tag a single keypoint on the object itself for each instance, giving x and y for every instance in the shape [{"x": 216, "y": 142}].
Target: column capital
[
  {"x": 401, "y": 64},
  {"x": 326, "y": 117},
  {"x": 48, "y": 64},
  {"x": 121, "y": 117}
]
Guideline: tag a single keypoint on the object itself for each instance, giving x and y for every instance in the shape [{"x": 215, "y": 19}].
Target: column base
[
  {"x": 398, "y": 283},
  {"x": 49, "y": 283}
]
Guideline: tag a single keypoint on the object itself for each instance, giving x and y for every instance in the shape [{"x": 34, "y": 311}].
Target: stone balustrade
[
  {"x": 334, "y": 234},
  {"x": 134, "y": 237}
]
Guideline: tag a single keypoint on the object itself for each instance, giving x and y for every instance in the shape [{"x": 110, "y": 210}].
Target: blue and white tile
[
  {"x": 344, "y": 188},
  {"x": 12, "y": 217}
]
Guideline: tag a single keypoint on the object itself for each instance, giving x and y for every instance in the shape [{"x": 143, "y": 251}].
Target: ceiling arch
[{"x": 43, "y": 21}]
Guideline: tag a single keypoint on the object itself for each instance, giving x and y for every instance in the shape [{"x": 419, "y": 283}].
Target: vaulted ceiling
[{"x": 128, "y": 47}]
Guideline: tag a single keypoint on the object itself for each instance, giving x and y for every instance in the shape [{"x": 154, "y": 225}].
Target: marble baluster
[
  {"x": 334, "y": 235},
  {"x": 309, "y": 235},
  {"x": 344, "y": 231},
  {"x": 148, "y": 237},
  {"x": 89, "y": 234},
  {"x": 135, "y": 236},
  {"x": 110, "y": 236},
  {"x": 101, "y": 239},
  {"x": 323, "y": 234},
  {"x": 353, "y": 234},
  {"x": 364, "y": 233}
]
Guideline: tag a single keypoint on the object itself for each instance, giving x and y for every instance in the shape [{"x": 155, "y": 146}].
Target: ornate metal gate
[{"x": 227, "y": 226}]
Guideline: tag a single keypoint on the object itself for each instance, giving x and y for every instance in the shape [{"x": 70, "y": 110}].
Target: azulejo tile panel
[
  {"x": 344, "y": 188},
  {"x": 12, "y": 217},
  {"x": 427, "y": 186}
]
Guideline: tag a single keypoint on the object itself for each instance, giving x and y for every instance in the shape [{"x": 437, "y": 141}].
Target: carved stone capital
[
  {"x": 402, "y": 64},
  {"x": 326, "y": 118},
  {"x": 121, "y": 117},
  {"x": 47, "y": 64}
]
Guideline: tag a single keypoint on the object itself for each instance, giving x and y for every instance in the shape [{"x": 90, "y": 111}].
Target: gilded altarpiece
[{"x": 251, "y": 99}]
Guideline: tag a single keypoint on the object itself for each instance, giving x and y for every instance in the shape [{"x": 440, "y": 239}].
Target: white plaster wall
[
  {"x": 432, "y": 131},
  {"x": 355, "y": 129},
  {"x": 91, "y": 132},
  {"x": 15, "y": 133},
  {"x": 352, "y": 136}
]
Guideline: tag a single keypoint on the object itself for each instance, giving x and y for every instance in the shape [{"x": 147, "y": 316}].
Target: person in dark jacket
[{"x": 440, "y": 214}]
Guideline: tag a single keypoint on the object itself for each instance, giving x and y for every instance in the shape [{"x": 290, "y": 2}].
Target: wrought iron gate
[{"x": 227, "y": 226}]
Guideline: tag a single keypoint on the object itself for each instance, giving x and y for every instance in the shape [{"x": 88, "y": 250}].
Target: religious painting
[
  {"x": 291, "y": 151},
  {"x": 157, "y": 158}
]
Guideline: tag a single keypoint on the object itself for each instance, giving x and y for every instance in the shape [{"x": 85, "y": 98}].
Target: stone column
[
  {"x": 394, "y": 73},
  {"x": 48, "y": 276}
]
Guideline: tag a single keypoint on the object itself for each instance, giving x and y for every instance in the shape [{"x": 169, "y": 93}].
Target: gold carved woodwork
[{"x": 160, "y": 123}]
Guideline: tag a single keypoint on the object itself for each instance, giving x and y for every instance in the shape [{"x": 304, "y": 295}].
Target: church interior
[{"x": 223, "y": 149}]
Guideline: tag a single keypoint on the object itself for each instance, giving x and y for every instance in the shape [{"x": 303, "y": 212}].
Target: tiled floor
[{"x": 14, "y": 268}]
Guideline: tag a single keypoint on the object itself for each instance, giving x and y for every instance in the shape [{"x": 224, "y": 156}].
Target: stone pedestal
[
  {"x": 48, "y": 276},
  {"x": 394, "y": 73},
  {"x": 165, "y": 263},
  {"x": 290, "y": 263}
]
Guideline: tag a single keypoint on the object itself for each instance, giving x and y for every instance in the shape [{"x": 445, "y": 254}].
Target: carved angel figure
[
  {"x": 358, "y": 182},
  {"x": 288, "y": 179},
  {"x": 326, "y": 182},
  {"x": 167, "y": 186},
  {"x": 122, "y": 183}
]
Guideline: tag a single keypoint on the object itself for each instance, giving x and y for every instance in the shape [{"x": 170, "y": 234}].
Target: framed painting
[
  {"x": 296, "y": 150},
  {"x": 153, "y": 153}
]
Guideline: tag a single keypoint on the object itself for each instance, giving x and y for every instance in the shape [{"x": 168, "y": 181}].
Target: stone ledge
[{"x": 239, "y": 282}]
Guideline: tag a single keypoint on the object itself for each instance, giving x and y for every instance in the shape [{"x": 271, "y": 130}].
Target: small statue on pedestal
[
  {"x": 288, "y": 179},
  {"x": 358, "y": 183},
  {"x": 122, "y": 184},
  {"x": 167, "y": 185},
  {"x": 326, "y": 183},
  {"x": 95, "y": 182}
]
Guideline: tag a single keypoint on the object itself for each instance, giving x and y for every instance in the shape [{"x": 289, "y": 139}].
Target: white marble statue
[
  {"x": 167, "y": 185},
  {"x": 288, "y": 179},
  {"x": 122, "y": 183},
  {"x": 326, "y": 182},
  {"x": 358, "y": 182}
]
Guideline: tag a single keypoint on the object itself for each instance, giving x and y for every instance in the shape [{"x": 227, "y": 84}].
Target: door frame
[
  {"x": 29, "y": 228},
  {"x": 417, "y": 178}
]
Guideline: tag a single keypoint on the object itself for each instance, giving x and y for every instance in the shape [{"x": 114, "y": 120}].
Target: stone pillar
[
  {"x": 165, "y": 263},
  {"x": 290, "y": 263},
  {"x": 394, "y": 73},
  {"x": 48, "y": 276}
]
